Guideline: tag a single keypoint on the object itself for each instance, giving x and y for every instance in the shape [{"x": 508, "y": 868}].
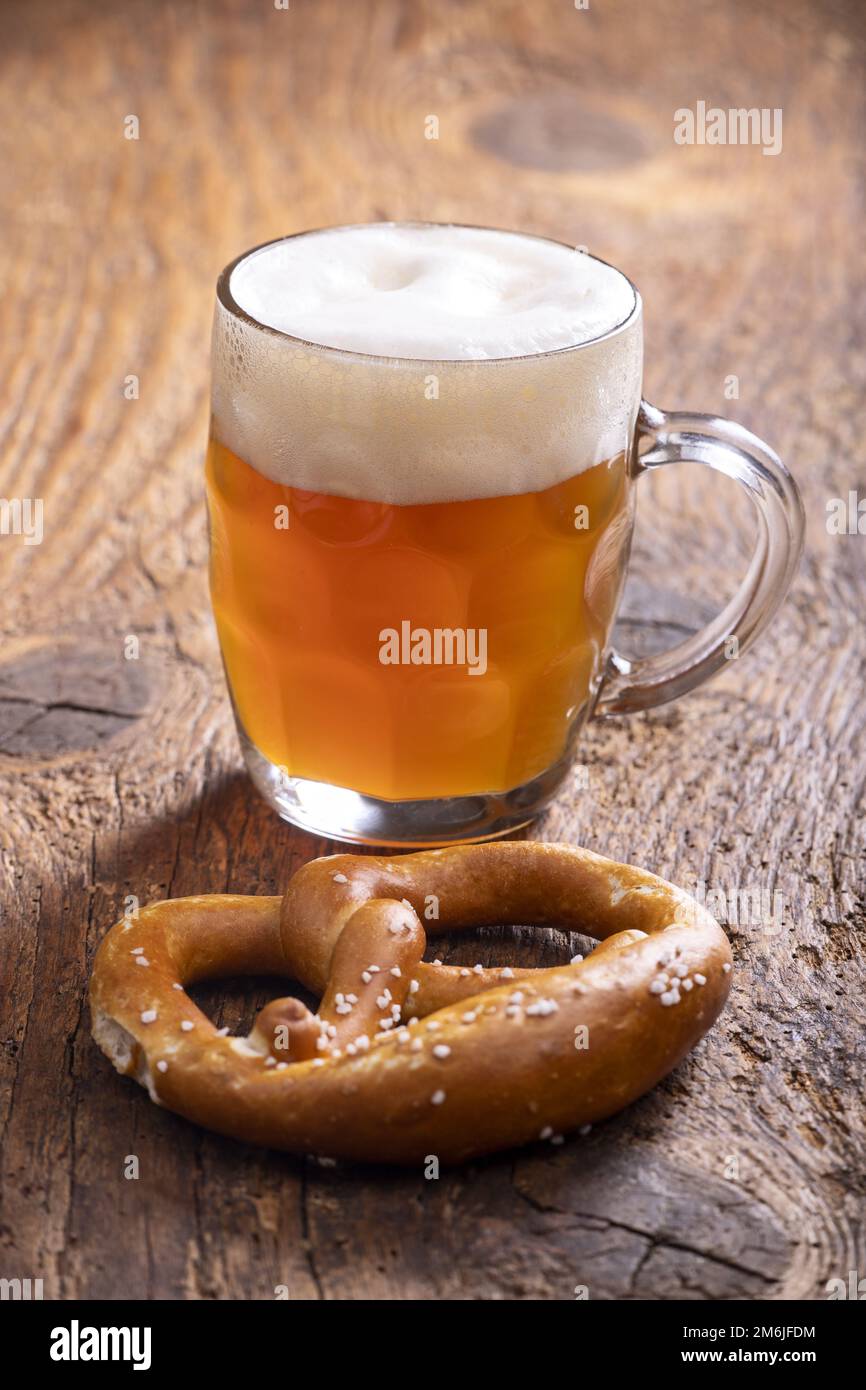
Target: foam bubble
[
  {"x": 431, "y": 292},
  {"x": 410, "y": 428}
]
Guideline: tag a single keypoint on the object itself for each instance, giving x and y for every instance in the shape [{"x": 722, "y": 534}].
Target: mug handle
[{"x": 728, "y": 448}]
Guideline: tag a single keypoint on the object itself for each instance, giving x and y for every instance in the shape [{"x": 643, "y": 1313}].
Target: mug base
[{"x": 338, "y": 813}]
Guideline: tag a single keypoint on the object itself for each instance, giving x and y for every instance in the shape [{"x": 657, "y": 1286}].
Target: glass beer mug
[{"x": 418, "y": 543}]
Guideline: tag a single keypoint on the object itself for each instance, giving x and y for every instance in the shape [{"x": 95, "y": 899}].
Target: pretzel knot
[{"x": 406, "y": 1059}]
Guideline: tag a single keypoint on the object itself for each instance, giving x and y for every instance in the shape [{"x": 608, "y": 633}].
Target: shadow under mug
[{"x": 414, "y": 637}]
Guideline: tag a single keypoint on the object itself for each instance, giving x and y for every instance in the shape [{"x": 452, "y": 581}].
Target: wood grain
[{"x": 743, "y": 1175}]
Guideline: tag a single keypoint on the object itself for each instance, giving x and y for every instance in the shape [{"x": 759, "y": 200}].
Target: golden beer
[{"x": 328, "y": 610}]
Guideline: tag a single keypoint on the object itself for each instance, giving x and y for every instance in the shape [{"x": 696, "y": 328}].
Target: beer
[
  {"x": 420, "y": 511},
  {"x": 301, "y": 613}
]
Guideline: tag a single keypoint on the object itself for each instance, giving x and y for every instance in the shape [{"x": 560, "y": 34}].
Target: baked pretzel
[{"x": 406, "y": 1059}]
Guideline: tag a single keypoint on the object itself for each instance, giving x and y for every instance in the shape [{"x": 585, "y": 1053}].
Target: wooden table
[{"x": 742, "y": 1175}]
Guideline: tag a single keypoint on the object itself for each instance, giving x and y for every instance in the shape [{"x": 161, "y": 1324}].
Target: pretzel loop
[{"x": 403, "y": 1058}]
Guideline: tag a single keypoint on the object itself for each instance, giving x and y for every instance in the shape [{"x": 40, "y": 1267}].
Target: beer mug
[{"x": 417, "y": 556}]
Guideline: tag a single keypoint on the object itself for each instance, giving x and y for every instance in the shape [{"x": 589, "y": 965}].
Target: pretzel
[{"x": 406, "y": 1059}]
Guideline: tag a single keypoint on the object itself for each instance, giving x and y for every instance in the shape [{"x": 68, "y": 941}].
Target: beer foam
[
  {"x": 393, "y": 424},
  {"x": 431, "y": 292}
]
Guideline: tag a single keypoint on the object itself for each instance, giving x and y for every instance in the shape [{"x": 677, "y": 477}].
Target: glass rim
[{"x": 230, "y": 304}]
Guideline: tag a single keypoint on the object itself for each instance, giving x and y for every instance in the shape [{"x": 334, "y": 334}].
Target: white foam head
[
  {"x": 462, "y": 389},
  {"x": 432, "y": 292}
]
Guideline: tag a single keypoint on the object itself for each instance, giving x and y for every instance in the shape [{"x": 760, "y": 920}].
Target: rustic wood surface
[{"x": 742, "y": 1176}]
